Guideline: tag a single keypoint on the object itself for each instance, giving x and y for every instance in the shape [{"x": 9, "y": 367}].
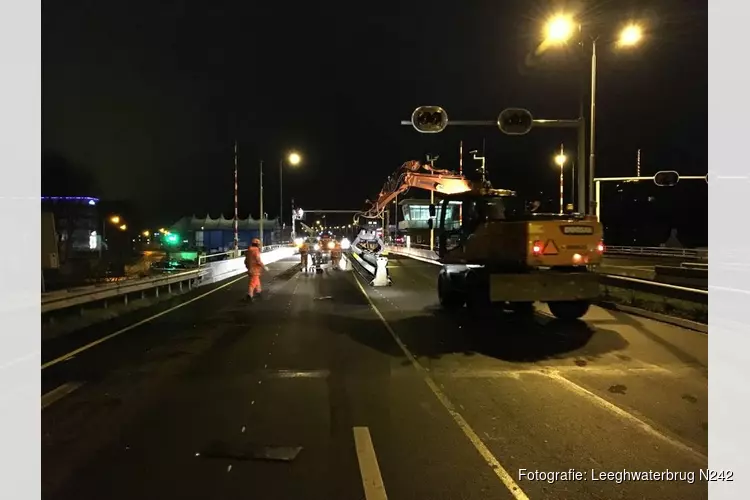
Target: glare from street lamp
[
  {"x": 115, "y": 219},
  {"x": 146, "y": 233},
  {"x": 631, "y": 35},
  {"x": 561, "y": 159},
  {"x": 294, "y": 159},
  {"x": 559, "y": 29},
  {"x": 123, "y": 227}
]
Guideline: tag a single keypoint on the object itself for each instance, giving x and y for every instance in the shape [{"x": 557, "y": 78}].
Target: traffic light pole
[
  {"x": 579, "y": 124},
  {"x": 434, "y": 119}
]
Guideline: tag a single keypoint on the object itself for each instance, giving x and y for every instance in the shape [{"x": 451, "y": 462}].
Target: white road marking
[
  {"x": 475, "y": 440},
  {"x": 372, "y": 481},
  {"x": 625, "y": 415},
  {"x": 638, "y": 268},
  {"x": 645, "y": 369},
  {"x": 58, "y": 393},
  {"x": 95, "y": 343}
]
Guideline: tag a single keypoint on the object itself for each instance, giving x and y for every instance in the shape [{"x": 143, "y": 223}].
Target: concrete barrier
[{"x": 224, "y": 269}]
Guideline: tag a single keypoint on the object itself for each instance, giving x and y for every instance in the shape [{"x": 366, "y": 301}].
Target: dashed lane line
[
  {"x": 58, "y": 393},
  {"x": 372, "y": 481},
  {"x": 460, "y": 421}
]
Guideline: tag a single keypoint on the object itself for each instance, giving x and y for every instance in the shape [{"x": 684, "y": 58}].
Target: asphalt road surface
[{"x": 330, "y": 389}]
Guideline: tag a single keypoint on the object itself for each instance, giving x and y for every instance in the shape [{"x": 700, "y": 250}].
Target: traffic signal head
[
  {"x": 429, "y": 119},
  {"x": 515, "y": 121},
  {"x": 666, "y": 178}
]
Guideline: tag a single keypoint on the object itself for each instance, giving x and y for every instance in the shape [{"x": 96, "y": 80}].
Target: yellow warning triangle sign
[{"x": 550, "y": 248}]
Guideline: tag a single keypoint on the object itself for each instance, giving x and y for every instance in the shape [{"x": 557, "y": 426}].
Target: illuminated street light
[
  {"x": 630, "y": 35},
  {"x": 115, "y": 219},
  {"x": 146, "y": 233},
  {"x": 560, "y": 159},
  {"x": 123, "y": 227},
  {"x": 559, "y": 29},
  {"x": 294, "y": 159}
]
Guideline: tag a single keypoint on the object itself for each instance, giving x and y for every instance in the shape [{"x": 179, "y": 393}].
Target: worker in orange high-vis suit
[
  {"x": 255, "y": 268},
  {"x": 304, "y": 251}
]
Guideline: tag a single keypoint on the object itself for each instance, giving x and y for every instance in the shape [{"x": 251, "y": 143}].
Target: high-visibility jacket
[{"x": 253, "y": 262}]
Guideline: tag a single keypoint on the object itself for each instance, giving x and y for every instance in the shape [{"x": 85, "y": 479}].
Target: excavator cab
[{"x": 463, "y": 213}]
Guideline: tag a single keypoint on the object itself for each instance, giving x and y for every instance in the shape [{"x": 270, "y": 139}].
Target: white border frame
[
  {"x": 729, "y": 334},
  {"x": 20, "y": 279},
  {"x": 20, "y": 155}
]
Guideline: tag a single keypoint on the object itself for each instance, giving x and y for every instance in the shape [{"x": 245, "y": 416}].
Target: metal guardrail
[
  {"x": 63, "y": 299},
  {"x": 625, "y": 282},
  {"x": 687, "y": 253},
  {"x": 57, "y": 301},
  {"x": 654, "y": 287}
]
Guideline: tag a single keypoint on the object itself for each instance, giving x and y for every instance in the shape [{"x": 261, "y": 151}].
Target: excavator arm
[
  {"x": 413, "y": 174},
  {"x": 310, "y": 231}
]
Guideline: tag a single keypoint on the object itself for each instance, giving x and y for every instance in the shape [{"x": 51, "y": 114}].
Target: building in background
[
  {"x": 217, "y": 235},
  {"x": 77, "y": 222}
]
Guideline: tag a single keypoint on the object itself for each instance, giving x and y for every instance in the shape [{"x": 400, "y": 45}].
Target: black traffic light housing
[
  {"x": 666, "y": 178},
  {"x": 515, "y": 121},
  {"x": 429, "y": 119}
]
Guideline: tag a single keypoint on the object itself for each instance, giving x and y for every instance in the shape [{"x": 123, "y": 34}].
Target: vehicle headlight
[
  {"x": 331, "y": 245},
  {"x": 346, "y": 244},
  {"x": 316, "y": 247},
  {"x": 299, "y": 241}
]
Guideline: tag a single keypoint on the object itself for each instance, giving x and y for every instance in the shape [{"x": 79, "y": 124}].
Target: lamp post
[
  {"x": 559, "y": 30},
  {"x": 260, "y": 223},
  {"x": 294, "y": 159}
]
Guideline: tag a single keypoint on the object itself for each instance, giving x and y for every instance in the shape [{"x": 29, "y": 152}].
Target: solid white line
[
  {"x": 372, "y": 481},
  {"x": 58, "y": 393},
  {"x": 646, "y": 427},
  {"x": 475, "y": 440},
  {"x": 135, "y": 325}
]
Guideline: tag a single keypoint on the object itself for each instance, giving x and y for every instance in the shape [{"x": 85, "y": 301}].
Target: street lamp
[
  {"x": 115, "y": 219},
  {"x": 294, "y": 159},
  {"x": 559, "y": 30}
]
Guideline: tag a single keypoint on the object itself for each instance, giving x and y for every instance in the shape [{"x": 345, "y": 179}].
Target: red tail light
[
  {"x": 600, "y": 247},
  {"x": 537, "y": 248}
]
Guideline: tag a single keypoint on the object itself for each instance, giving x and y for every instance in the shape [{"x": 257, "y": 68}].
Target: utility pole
[
  {"x": 562, "y": 179},
  {"x": 461, "y": 172},
  {"x": 236, "y": 210},
  {"x": 281, "y": 198},
  {"x": 260, "y": 226},
  {"x": 638, "y": 164},
  {"x": 431, "y": 161}
]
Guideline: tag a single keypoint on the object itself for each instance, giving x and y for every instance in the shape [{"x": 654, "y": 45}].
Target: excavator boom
[{"x": 413, "y": 174}]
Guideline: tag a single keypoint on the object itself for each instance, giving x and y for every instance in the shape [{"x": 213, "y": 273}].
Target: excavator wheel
[
  {"x": 569, "y": 310},
  {"x": 449, "y": 299}
]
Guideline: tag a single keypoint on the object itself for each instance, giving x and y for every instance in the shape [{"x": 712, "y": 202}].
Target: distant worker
[
  {"x": 304, "y": 252},
  {"x": 255, "y": 268}
]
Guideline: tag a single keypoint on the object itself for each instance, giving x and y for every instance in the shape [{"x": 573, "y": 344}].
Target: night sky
[{"x": 149, "y": 97}]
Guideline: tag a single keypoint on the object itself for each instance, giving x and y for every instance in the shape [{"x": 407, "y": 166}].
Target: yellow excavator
[{"x": 495, "y": 249}]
